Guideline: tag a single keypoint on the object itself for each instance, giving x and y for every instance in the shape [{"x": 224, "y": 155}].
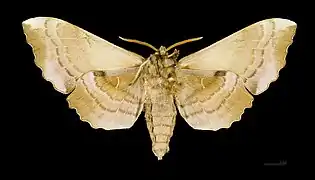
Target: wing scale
[
  {"x": 249, "y": 59},
  {"x": 256, "y": 53},
  {"x": 93, "y": 71},
  {"x": 64, "y": 51}
]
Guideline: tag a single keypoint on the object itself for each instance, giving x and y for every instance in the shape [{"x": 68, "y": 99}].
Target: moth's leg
[
  {"x": 174, "y": 55},
  {"x": 138, "y": 72}
]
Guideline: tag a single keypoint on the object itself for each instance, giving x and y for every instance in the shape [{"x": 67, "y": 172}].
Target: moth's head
[{"x": 162, "y": 51}]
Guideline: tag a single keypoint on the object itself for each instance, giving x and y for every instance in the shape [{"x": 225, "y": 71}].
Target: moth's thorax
[{"x": 160, "y": 69}]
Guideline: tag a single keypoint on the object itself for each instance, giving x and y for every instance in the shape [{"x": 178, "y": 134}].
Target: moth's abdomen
[{"x": 160, "y": 116}]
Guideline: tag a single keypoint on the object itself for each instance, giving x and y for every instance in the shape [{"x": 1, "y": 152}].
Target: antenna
[
  {"x": 183, "y": 42},
  {"x": 139, "y": 42}
]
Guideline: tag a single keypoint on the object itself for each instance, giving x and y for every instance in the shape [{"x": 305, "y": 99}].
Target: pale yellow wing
[
  {"x": 210, "y": 100},
  {"x": 256, "y": 53},
  {"x": 106, "y": 100},
  {"x": 64, "y": 51}
]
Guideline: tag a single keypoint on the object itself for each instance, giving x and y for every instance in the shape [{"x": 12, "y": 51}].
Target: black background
[{"x": 54, "y": 137}]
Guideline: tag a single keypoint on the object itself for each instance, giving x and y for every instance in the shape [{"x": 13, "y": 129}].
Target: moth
[{"x": 109, "y": 86}]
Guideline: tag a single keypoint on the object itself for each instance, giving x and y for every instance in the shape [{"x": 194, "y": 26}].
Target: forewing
[
  {"x": 256, "y": 53},
  {"x": 106, "y": 100},
  {"x": 64, "y": 51},
  {"x": 210, "y": 100}
]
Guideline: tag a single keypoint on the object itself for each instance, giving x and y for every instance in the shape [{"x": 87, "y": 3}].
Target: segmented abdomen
[{"x": 160, "y": 114}]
